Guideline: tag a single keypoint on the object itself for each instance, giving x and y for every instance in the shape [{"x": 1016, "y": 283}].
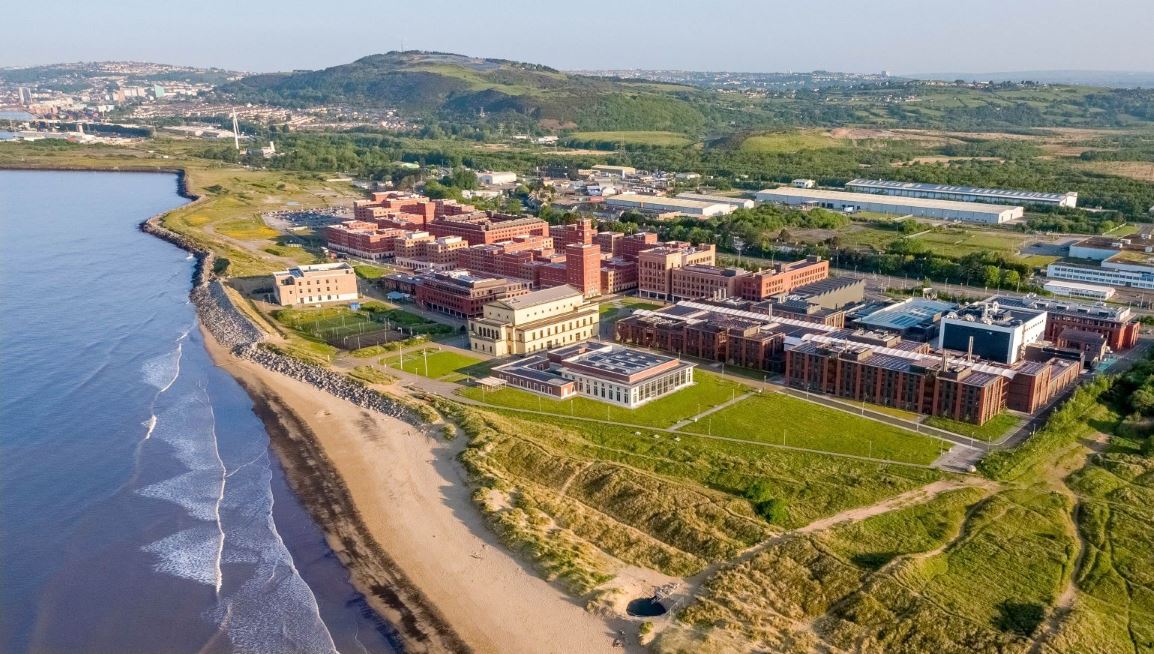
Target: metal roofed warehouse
[
  {"x": 974, "y": 212},
  {"x": 961, "y": 193}
]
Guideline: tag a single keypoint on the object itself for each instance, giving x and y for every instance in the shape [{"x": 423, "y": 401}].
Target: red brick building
[
  {"x": 461, "y": 294},
  {"x": 363, "y": 239},
  {"x": 1118, "y": 325},
  {"x": 974, "y": 392},
  {"x": 482, "y": 229},
  {"x": 583, "y": 267},
  {"x": 783, "y": 278}
]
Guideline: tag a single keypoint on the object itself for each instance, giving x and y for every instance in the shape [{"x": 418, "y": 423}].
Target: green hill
[{"x": 432, "y": 83}]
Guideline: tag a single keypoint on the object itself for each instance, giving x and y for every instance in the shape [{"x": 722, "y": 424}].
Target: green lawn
[
  {"x": 708, "y": 390},
  {"x": 781, "y": 419},
  {"x": 433, "y": 363},
  {"x": 991, "y": 431},
  {"x": 365, "y": 271},
  {"x": 340, "y": 321}
]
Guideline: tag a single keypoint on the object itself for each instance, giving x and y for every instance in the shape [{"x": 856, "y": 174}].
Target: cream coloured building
[
  {"x": 315, "y": 284},
  {"x": 541, "y": 320}
]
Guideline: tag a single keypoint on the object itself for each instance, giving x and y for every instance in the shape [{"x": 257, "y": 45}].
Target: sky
[{"x": 900, "y": 36}]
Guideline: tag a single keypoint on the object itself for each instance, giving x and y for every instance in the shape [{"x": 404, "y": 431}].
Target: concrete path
[{"x": 692, "y": 419}]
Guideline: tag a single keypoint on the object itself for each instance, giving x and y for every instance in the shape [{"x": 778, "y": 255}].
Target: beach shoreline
[{"x": 396, "y": 508}]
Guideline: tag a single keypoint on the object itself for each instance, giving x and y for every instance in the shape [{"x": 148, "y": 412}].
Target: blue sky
[{"x": 902, "y": 36}]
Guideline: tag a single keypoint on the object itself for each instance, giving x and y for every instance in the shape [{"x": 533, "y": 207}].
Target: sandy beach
[{"x": 398, "y": 511}]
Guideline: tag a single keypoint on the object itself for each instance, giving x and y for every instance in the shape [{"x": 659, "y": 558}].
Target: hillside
[{"x": 453, "y": 85}]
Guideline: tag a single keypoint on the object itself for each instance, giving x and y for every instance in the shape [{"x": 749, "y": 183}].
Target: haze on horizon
[{"x": 900, "y": 36}]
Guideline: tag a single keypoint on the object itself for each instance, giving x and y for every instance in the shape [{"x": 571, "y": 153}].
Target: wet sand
[{"x": 397, "y": 509}]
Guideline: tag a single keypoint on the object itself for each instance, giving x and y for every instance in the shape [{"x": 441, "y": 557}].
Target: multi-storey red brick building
[
  {"x": 916, "y": 381},
  {"x": 363, "y": 239},
  {"x": 655, "y": 266},
  {"x": 783, "y": 278},
  {"x": 1118, "y": 325},
  {"x": 634, "y": 244},
  {"x": 482, "y": 228},
  {"x": 462, "y": 294},
  {"x": 583, "y": 268},
  {"x": 618, "y": 275}
]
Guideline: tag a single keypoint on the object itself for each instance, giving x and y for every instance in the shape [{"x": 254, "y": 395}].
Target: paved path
[{"x": 692, "y": 419}]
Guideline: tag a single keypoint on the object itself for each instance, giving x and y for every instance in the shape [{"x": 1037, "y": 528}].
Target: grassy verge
[
  {"x": 784, "y": 420},
  {"x": 708, "y": 390},
  {"x": 994, "y": 428},
  {"x": 433, "y": 363}
]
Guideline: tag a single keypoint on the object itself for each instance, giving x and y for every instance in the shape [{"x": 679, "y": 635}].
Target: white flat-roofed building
[
  {"x": 974, "y": 212},
  {"x": 738, "y": 203},
  {"x": 803, "y": 183},
  {"x": 961, "y": 193},
  {"x": 659, "y": 205},
  {"x": 1131, "y": 276},
  {"x": 601, "y": 371},
  {"x": 1079, "y": 289},
  {"x": 315, "y": 284}
]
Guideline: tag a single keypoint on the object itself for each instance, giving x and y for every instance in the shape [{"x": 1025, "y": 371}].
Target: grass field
[
  {"x": 784, "y": 420},
  {"x": 708, "y": 390},
  {"x": 792, "y": 141},
  {"x": 994, "y": 429},
  {"x": 960, "y": 242},
  {"x": 433, "y": 363},
  {"x": 331, "y": 323},
  {"x": 662, "y": 139}
]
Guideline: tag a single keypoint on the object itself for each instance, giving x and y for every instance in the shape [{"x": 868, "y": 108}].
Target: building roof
[
  {"x": 1100, "y": 311},
  {"x": 907, "y": 314},
  {"x": 847, "y": 196},
  {"x": 1002, "y": 194},
  {"x": 543, "y": 296},
  {"x": 661, "y": 200},
  {"x": 827, "y": 285}
]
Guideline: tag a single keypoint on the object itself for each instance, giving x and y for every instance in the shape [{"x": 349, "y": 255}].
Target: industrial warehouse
[
  {"x": 961, "y": 193},
  {"x": 973, "y": 212},
  {"x": 663, "y": 205}
]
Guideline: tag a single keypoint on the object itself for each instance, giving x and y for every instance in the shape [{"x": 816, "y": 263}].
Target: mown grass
[
  {"x": 784, "y": 420},
  {"x": 432, "y": 363},
  {"x": 992, "y": 430},
  {"x": 338, "y": 322},
  {"x": 708, "y": 390}
]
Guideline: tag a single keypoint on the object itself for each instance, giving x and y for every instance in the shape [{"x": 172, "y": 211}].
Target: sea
[{"x": 141, "y": 509}]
